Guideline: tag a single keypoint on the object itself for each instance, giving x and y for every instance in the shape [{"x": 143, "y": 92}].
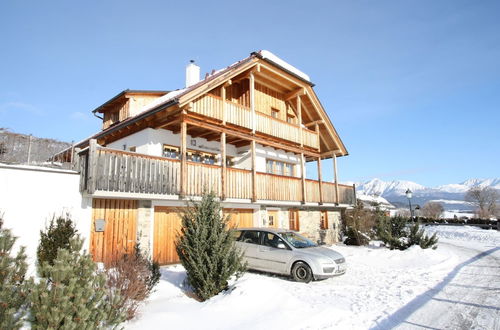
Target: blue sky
[{"x": 413, "y": 87}]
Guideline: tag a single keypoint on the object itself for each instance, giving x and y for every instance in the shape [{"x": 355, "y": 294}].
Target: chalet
[{"x": 244, "y": 132}]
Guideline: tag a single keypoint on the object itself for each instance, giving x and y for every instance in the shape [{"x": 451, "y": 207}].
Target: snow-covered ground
[{"x": 382, "y": 289}]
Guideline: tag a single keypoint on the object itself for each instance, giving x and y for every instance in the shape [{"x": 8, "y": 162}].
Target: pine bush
[
  {"x": 57, "y": 235},
  {"x": 72, "y": 294},
  {"x": 206, "y": 249},
  {"x": 398, "y": 234},
  {"x": 13, "y": 287}
]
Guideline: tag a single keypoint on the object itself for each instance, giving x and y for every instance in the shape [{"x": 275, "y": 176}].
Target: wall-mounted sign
[{"x": 99, "y": 224}]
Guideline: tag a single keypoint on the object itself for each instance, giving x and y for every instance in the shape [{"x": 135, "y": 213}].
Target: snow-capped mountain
[{"x": 450, "y": 195}]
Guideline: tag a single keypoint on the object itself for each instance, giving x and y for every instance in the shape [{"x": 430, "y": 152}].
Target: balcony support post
[
  {"x": 252, "y": 101},
  {"x": 334, "y": 157},
  {"x": 223, "y": 96},
  {"x": 299, "y": 117},
  {"x": 183, "y": 187},
  {"x": 303, "y": 178},
  {"x": 320, "y": 181},
  {"x": 223, "y": 165},
  {"x": 254, "y": 174},
  {"x": 92, "y": 165}
]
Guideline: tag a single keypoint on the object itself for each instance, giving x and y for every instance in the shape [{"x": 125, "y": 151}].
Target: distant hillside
[
  {"x": 450, "y": 195},
  {"x": 16, "y": 148}
]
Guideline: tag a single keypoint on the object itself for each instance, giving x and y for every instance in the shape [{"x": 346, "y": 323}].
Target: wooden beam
[
  {"x": 295, "y": 93},
  {"x": 291, "y": 79},
  {"x": 247, "y": 136},
  {"x": 335, "y": 178},
  {"x": 254, "y": 173},
  {"x": 92, "y": 166},
  {"x": 303, "y": 178},
  {"x": 314, "y": 123},
  {"x": 262, "y": 80},
  {"x": 183, "y": 158},
  {"x": 223, "y": 168},
  {"x": 320, "y": 180},
  {"x": 224, "y": 104}
]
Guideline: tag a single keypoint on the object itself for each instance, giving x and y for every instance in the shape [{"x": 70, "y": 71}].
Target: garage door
[
  {"x": 119, "y": 233},
  {"x": 167, "y": 224},
  {"x": 240, "y": 218}
]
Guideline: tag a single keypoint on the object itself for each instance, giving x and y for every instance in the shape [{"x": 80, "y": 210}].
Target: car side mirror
[{"x": 281, "y": 246}]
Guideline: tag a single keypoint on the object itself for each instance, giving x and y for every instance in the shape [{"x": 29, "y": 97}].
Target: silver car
[{"x": 285, "y": 252}]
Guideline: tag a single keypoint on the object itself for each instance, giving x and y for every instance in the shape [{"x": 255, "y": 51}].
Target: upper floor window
[
  {"x": 275, "y": 113},
  {"x": 114, "y": 117},
  {"x": 279, "y": 167},
  {"x": 171, "y": 152},
  {"x": 201, "y": 157},
  {"x": 290, "y": 119}
]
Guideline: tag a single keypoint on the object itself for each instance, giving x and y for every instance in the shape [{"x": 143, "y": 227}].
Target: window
[
  {"x": 272, "y": 240},
  {"x": 324, "y": 220},
  {"x": 272, "y": 221},
  {"x": 293, "y": 217},
  {"x": 251, "y": 237},
  {"x": 279, "y": 167},
  {"x": 115, "y": 117},
  {"x": 229, "y": 161},
  {"x": 132, "y": 149},
  {"x": 171, "y": 152},
  {"x": 236, "y": 234},
  {"x": 290, "y": 119},
  {"x": 275, "y": 113}
]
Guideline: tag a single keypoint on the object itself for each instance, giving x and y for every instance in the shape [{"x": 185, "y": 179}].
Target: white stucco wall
[
  {"x": 30, "y": 196},
  {"x": 150, "y": 141}
]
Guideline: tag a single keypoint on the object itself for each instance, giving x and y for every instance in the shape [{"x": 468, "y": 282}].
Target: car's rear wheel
[{"x": 301, "y": 272}]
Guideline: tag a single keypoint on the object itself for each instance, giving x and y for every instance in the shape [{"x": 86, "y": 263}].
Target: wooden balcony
[
  {"x": 238, "y": 115},
  {"x": 125, "y": 173}
]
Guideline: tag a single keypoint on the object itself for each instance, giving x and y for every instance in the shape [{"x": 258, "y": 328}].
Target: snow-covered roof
[{"x": 285, "y": 65}]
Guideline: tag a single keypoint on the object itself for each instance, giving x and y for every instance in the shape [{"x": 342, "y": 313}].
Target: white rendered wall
[
  {"x": 30, "y": 196},
  {"x": 150, "y": 141}
]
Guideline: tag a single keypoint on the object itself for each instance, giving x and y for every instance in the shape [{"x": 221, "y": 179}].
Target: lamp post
[{"x": 409, "y": 194}]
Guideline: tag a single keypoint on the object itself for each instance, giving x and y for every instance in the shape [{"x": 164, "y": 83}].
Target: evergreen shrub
[
  {"x": 206, "y": 248},
  {"x": 13, "y": 287},
  {"x": 72, "y": 294},
  {"x": 57, "y": 235},
  {"x": 397, "y": 233}
]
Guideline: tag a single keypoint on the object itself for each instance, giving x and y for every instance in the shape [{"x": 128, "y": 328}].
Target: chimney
[{"x": 192, "y": 74}]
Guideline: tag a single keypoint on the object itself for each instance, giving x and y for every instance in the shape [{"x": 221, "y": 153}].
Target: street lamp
[{"x": 409, "y": 194}]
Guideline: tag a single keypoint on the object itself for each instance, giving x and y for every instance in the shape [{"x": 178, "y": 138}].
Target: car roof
[{"x": 271, "y": 230}]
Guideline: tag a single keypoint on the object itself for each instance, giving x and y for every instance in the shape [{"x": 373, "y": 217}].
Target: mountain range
[{"x": 450, "y": 195}]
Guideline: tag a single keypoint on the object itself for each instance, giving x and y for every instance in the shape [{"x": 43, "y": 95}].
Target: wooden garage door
[
  {"x": 240, "y": 218},
  {"x": 167, "y": 224},
  {"x": 119, "y": 235}
]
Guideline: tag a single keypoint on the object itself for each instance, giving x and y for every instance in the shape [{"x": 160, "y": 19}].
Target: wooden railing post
[
  {"x": 224, "y": 167},
  {"x": 183, "y": 159},
  {"x": 337, "y": 199},
  {"x": 303, "y": 178},
  {"x": 92, "y": 165},
  {"x": 299, "y": 115},
  {"x": 224, "y": 106},
  {"x": 254, "y": 174},
  {"x": 320, "y": 181}
]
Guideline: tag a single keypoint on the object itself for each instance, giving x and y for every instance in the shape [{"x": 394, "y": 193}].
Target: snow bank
[
  {"x": 466, "y": 234},
  {"x": 377, "y": 283}
]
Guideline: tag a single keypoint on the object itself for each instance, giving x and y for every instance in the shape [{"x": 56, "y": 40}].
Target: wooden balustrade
[
  {"x": 110, "y": 170},
  {"x": 238, "y": 115},
  {"x": 203, "y": 177},
  {"x": 239, "y": 183},
  {"x": 118, "y": 171},
  {"x": 310, "y": 138},
  {"x": 278, "y": 188},
  {"x": 278, "y": 128},
  {"x": 312, "y": 191},
  {"x": 209, "y": 106}
]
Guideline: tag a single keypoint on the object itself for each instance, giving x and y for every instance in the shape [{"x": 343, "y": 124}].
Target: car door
[
  {"x": 274, "y": 254},
  {"x": 249, "y": 243}
]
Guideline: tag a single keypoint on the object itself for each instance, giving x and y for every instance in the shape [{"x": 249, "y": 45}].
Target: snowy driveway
[
  {"x": 467, "y": 298},
  {"x": 456, "y": 286}
]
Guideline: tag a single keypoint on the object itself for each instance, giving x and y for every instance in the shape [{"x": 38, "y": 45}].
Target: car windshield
[{"x": 297, "y": 241}]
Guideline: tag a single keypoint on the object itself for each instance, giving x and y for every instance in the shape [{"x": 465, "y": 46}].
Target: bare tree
[
  {"x": 432, "y": 210},
  {"x": 486, "y": 199}
]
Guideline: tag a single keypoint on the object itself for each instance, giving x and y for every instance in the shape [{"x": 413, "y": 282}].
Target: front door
[{"x": 272, "y": 219}]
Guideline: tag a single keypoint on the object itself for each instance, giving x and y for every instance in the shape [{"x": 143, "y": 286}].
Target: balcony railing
[
  {"x": 110, "y": 170},
  {"x": 236, "y": 114}
]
